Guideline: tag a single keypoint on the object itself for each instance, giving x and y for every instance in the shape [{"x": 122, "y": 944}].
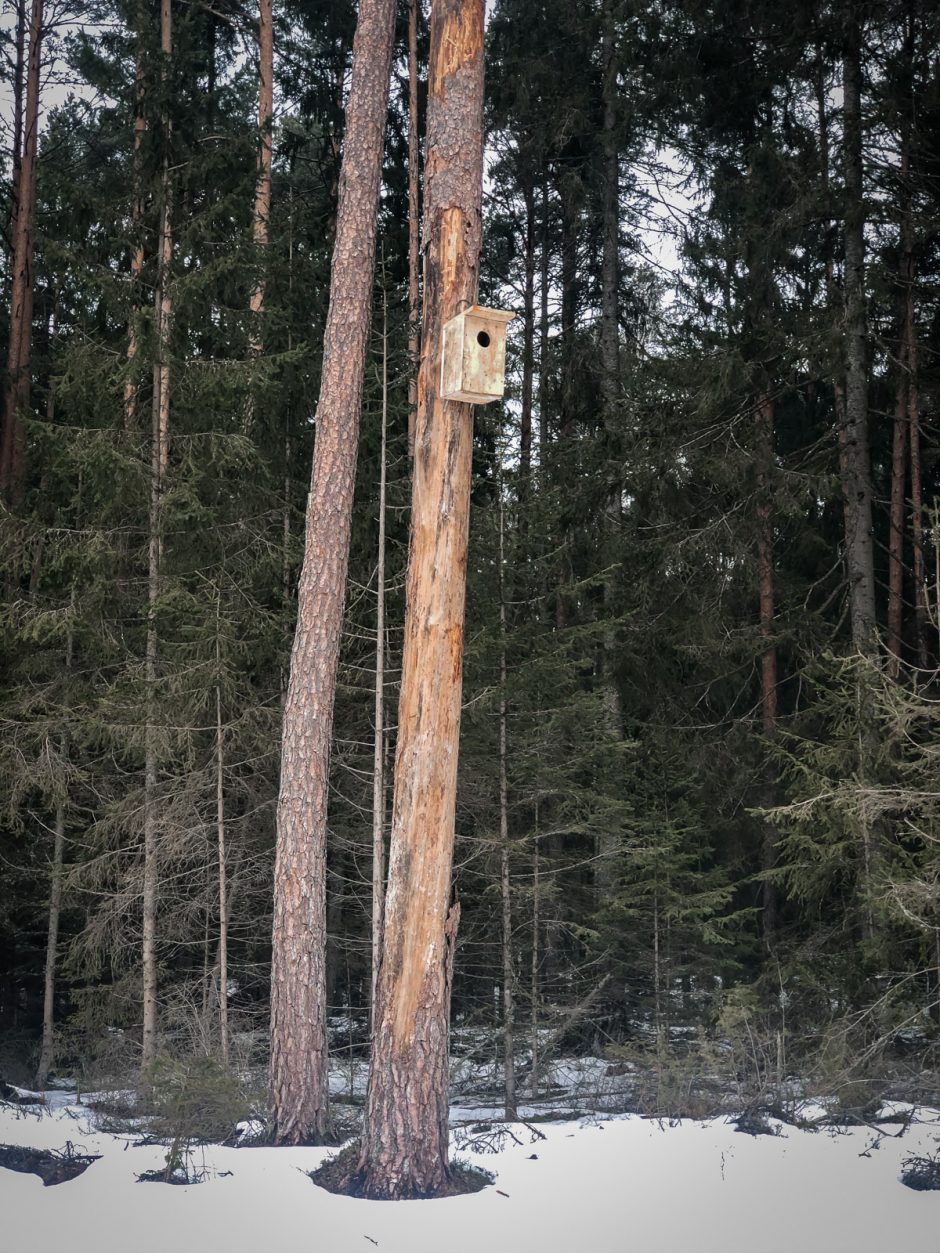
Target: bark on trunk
[
  {"x": 52, "y": 944},
  {"x": 534, "y": 963},
  {"x": 509, "y": 1015},
  {"x": 570, "y": 228},
  {"x": 299, "y": 1086},
  {"x": 838, "y": 383},
  {"x": 158, "y": 463},
  {"x": 607, "y": 843},
  {"x": 859, "y": 542},
  {"x": 16, "y": 391},
  {"x": 262, "y": 209},
  {"x": 528, "y": 339},
  {"x": 220, "y": 840},
  {"x": 921, "y": 615},
  {"x": 901, "y": 414},
  {"x": 765, "y": 579},
  {"x": 137, "y": 256},
  {"x": 899, "y": 481},
  {"x": 414, "y": 223},
  {"x": 404, "y": 1146},
  {"x": 543, "y": 332},
  {"x": 19, "y": 65},
  {"x": 378, "y": 758}
]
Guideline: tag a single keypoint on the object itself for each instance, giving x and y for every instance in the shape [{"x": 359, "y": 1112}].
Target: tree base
[{"x": 341, "y": 1174}]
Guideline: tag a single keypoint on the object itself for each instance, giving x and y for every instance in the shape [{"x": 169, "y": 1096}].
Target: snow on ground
[{"x": 609, "y": 1186}]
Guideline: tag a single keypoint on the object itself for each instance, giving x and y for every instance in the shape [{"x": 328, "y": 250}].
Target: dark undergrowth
[
  {"x": 340, "y": 1174},
  {"x": 52, "y": 1166}
]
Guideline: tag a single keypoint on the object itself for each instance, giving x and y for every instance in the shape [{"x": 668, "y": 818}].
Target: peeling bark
[{"x": 405, "y": 1138}]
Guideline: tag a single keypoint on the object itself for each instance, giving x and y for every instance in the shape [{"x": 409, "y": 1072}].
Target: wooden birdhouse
[{"x": 473, "y": 355}]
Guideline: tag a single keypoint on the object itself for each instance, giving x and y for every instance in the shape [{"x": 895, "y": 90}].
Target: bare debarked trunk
[
  {"x": 405, "y": 1137},
  {"x": 299, "y": 1080}
]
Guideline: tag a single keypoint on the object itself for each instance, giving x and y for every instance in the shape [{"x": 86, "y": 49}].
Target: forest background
[{"x": 697, "y": 810}]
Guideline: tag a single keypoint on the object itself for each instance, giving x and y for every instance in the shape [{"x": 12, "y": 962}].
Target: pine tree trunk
[
  {"x": 607, "y": 843},
  {"x": 158, "y": 464},
  {"x": 534, "y": 963},
  {"x": 52, "y": 944},
  {"x": 765, "y": 578},
  {"x": 16, "y": 390},
  {"x": 19, "y": 66},
  {"x": 404, "y": 1146},
  {"x": 528, "y": 339},
  {"x": 220, "y": 840},
  {"x": 137, "y": 256},
  {"x": 921, "y": 615},
  {"x": 299, "y": 1083},
  {"x": 859, "y": 539},
  {"x": 543, "y": 331},
  {"x": 509, "y": 1014},
  {"x": 378, "y": 759},
  {"x": 414, "y": 223},
  {"x": 570, "y": 229},
  {"x": 262, "y": 209},
  {"x": 899, "y": 457},
  {"x": 838, "y": 385}
]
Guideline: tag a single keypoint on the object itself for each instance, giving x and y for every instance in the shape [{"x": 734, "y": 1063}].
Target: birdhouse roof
[{"x": 495, "y": 315}]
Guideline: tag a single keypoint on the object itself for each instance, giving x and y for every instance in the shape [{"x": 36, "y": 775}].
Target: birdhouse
[{"x": 473, "y": 355}]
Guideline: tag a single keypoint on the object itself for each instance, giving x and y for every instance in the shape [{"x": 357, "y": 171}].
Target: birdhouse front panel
[{"x": 473, "y": 355}]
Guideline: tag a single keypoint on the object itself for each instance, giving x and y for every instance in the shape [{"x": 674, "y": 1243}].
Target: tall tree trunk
[
  {"x": 528, "y": 337},
  {"x": 607, "y": 842},
  {"x": 509, "y": 1013},
  {"x": 414, "y": 223},
  {"x": 901, "y": 428},
  {"x": 378, "y": 757},
  {"x": 859, "y": 539},
  {"x": 137, "y": 255},
  {"x": 534, "y": 963},
  {"x": 610, "y": 257},
  {"x": 917, "y": 508},
  {"x": 905, "y": 355},
  {"x": 404, "y": 1145},
  {"x": 220, "y": 838},
  {"x": 544, "y": 254},
  {"x": 838, "y": 381},
  {"x": 262, "y": 210},
  {"x": 19, "y": 65},
  {"x": 159, "y": 449},
  {"x": 764, "y": 416},
  {"x": 52, "y": 945},
  {"x": 570, "y": 230},
  {"x": 16, "y": 391},
  {"x": 299, "y": 1082}
]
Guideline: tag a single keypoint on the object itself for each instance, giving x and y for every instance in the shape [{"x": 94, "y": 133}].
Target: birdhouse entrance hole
[{"x": 483, "y": 339}]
